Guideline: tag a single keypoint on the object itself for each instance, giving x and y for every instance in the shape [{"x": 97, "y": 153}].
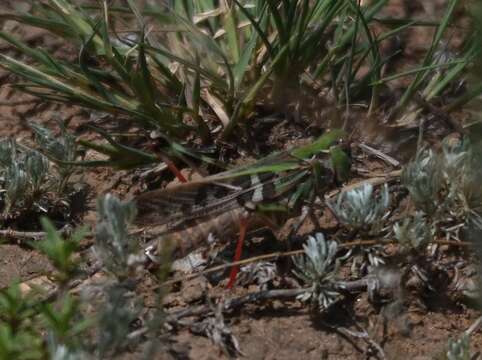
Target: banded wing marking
[{"x": 197, "y": 200}]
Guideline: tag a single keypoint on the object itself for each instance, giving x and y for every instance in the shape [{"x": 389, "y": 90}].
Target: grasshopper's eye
[{"x": 340, "y": 142}]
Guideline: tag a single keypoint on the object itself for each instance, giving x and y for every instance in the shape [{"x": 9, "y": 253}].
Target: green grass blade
[{"x": 420, "y": 77}]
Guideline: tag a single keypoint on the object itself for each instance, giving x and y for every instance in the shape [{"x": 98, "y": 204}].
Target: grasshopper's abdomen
[
  {"x": 223, "y": 228},
  {"x": 181, "y": 242}
]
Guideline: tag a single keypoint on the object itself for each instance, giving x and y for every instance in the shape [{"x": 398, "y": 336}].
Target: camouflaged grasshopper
[{"x": 267, "y": 192}]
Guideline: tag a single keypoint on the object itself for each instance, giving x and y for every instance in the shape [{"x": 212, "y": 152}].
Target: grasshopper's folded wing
[
  {"x": 183, "y": 202},
  {"x": 201, "y": 199}
]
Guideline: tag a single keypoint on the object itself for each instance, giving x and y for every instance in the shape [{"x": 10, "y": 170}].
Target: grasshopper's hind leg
[{"x": 243, "y": 227}]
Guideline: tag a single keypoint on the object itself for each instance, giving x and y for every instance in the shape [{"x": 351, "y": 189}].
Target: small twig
[
  {"x": 278, "y": 294},
  {"x": 236, "y": 302},
  {"x": 137, "y": 333},
  {"x": 474, "y": 327},
  {"x": 22, "y": 235},
  {"x": 387, "y": 158},
  {"x": 280, "y": 254},
  {"x": 263, "y": 295}
]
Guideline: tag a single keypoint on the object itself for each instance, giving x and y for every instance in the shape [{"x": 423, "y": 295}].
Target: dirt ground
[{"x": 274, "y": 330}]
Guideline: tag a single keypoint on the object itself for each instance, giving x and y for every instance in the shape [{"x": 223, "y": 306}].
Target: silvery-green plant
[
  {"x": 113, "y": 244},
  {"x": 361, "y": 209},
  {"x": 37, "y": 167},
  {"x": 7, "y": 152},
  {"x": 435, "y": 180},
  {"x": 454, "y": 157},
  {"x": 423, "y": 179},
  {"x": 446, "y": 185},
  {"x": 318, "y": 268},
  {"x": 58, "y": 351},
  {"x": 59, "y": 147},
  {"x": 413, "y": 233},
  {"x": 469, "y": 192},
  {"x": 62, "y": 148},
  {"x": 16, "y": 185},
  {"x": 24, "y": 176},
  {"x": 457, "y": 173},
  {"x": 459, "y": 349},
  {"x": 120, "y": 309}
]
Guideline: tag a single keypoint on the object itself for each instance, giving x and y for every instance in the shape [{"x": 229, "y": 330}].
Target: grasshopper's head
[
  {"x": 335, "y": 145},
  {"x": 329, "y": 159},
  {"x": 341, "y": 161},
  {"x": 331, "y": 150}
]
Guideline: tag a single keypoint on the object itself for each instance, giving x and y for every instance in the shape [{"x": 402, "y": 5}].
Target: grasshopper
[{"x": 267, "y": 192}]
